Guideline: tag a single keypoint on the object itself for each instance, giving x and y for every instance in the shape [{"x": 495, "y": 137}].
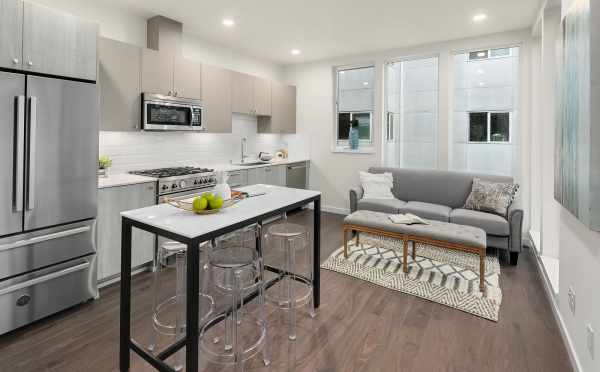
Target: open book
[{"x": 407, "y": 219}]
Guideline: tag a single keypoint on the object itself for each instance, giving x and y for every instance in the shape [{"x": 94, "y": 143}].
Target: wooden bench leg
[
  {"x": 345, "y": 234},
  {"x": 414, "y": 251},
  {"x": 405, "y": 256},
  {"x": 482, "y": 271},
  {"x": 357, "y": 238}
]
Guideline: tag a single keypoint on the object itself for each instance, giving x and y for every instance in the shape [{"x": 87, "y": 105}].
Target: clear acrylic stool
[
  {"x": 236, "y": 270},
  {"x": 169, "y": 307},
  {"x": 293, "y": 290}
]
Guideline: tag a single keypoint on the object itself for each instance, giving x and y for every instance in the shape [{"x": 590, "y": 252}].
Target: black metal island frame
[{"x": 192, "y": 230}]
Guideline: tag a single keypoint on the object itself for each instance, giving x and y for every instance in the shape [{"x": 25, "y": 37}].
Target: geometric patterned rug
[{"x": 440, "y": 275}]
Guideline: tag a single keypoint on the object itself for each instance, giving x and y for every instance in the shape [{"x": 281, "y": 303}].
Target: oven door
[{"x": 165, "y": 115}]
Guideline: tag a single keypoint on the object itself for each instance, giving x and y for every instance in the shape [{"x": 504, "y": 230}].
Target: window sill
[{"x": 347, "y": 150}]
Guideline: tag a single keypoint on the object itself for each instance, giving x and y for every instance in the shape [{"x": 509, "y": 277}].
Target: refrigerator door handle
[
  {"x": 20, "y": 155},
  {"x": 43, "y": 238},
  {"x": 31, "y": 159},
  {"x": 45, "y": 278}
]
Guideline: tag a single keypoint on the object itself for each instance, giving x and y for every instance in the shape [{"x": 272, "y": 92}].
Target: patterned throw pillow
[{"x": 492, "y": 197}]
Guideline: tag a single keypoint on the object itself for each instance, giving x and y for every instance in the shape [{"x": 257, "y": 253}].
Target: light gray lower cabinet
[
  {"x": 119, "y": 78},
  {"x": 237, "y": 178},
  {"x": 57, "y": 43},
  {"x": 111, "y": 202},
  {"x": 11, "y": 28},
  {"x": 275, "y": 175},
  {"x": 257, "y": 175}
]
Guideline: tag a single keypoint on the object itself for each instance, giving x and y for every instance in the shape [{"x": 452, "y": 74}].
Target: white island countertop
[{"x": 191, "y": 225}]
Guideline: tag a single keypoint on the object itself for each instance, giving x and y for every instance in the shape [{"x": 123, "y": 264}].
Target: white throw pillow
[{"x": 377, "y": 186}]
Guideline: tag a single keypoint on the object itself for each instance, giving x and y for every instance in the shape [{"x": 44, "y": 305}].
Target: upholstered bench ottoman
[{"x": 440, "y": 234}]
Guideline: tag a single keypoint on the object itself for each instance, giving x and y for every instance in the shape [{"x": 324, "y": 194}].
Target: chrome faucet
[{"x": 244, "y": 149}]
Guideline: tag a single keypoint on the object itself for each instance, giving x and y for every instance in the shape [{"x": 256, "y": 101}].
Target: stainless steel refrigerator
[{"x": 48, "y": 196}]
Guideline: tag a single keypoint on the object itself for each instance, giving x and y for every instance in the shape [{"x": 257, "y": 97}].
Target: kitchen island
[{"x": 192, "y": 230}]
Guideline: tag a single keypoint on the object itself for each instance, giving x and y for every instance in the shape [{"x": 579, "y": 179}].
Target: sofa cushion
[
  {"x": 491, "y": 223},
  {"x": 391, "y": 206},
  {"x": 427, "y": 210}
]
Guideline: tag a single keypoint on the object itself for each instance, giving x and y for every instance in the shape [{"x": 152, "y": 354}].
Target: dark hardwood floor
[{"x": 359, "y": 327}]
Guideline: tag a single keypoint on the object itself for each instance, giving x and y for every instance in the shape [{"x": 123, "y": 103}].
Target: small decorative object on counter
[
  {"x": 222, "y": 188},
  {"x": 104, "y": 162},
  {"x": 353, "y": 138},
  {"x": 265, "y": 156}
]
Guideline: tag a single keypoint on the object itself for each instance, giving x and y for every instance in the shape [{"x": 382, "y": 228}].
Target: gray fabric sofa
[{"x": 440, "y": 195}]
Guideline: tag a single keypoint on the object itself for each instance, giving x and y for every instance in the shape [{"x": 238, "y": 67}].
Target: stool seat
[{"x": 287, "y": 230}]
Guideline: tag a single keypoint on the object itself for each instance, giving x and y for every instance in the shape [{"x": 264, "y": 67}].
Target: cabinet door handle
[
  {"x": 15, "y": 61},
  {"x": 170, "y": 93},
  {"x": 29, "y": 63}
]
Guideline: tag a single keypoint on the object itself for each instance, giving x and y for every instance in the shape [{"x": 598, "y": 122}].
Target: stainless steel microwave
[{"x": 160, "y": 112}]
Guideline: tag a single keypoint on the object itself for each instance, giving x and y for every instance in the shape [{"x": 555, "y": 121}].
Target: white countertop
[
  {"x": 122, "y": 179},
  {"x": 191, "y": 225},
  {"x": 233, "y": 167}
]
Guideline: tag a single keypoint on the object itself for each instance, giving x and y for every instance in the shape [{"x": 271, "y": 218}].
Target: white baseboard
[
  {"x": 331, "y": 209},
  {"x": 556, "y": 311}
]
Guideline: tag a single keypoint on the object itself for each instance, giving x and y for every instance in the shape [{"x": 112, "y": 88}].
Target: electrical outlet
[
  {"x": 572, "y": 302},
  {"x": 590, "y": 340}
]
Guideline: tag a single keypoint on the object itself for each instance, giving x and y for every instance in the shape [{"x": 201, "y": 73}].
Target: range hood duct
[{"x": 165, "y": 35}]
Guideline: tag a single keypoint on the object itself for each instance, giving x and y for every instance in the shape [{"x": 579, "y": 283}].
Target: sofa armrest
[
  {"x": 356, "y": 193},
  {"x": 515, "y": 225}
]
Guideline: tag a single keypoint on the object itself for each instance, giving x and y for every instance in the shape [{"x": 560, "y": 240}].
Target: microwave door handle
[{"x": 32, "y": 152}]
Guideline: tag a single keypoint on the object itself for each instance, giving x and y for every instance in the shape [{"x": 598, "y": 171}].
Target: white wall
[
  {"x": 563, "y": 236},
  {"x": 334, "y": 173}
]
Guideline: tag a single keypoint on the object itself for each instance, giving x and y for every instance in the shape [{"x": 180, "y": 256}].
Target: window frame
[
  {"x": 489, "y": 128},
  {"x": 343, "y": 144}
]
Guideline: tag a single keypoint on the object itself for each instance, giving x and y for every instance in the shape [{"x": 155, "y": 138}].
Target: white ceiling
[{"x": 269, "y": 29}]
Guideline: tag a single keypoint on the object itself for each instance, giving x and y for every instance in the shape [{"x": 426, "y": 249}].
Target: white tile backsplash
[{"x": 142, "y": 150}]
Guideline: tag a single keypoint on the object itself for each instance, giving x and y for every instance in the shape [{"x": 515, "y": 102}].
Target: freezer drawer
[
  {"x": 31, "y": 251},
  {"x": 36, "y": 295}
]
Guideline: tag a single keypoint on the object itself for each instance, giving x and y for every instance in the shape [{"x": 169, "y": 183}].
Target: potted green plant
[{"x": 104, "y": 162}]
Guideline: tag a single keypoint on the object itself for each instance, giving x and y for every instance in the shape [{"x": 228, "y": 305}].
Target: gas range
[{"x": 178, "y": 179}]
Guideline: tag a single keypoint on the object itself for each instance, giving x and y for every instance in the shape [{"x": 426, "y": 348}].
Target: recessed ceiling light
[
  {"x": 296, "y": 52},
  {"x": 227, "y": 22},
  {"x": 365, "y": 83},
  {"x": 479, "y": 17},
  {"x": 481, "y": 84}
]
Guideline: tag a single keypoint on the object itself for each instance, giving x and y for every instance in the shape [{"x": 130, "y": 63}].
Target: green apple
[
  {"x": 199, "y": 203},
  {"x": 215, "y": 203}
]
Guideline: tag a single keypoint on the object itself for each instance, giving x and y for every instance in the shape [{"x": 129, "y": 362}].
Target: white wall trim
[
  {"x": 575, "y": 363},
  {"x": 332, "y": 209}
]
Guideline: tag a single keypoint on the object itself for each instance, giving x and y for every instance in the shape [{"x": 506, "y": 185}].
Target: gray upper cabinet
[
  {"x": 262, "y": 97},
  {"x": 250, "y": 95},
  {"x": 11, "y": 28},
  {"x": 157, "y": 72},
  {"x": 216, "y": 113},
  {"x": 57, "y": 43},
  {"x": 283, "y": 110},
  {"x": 187, "y": 77},
  {"x": 119, "y": 85},
  {"x": 242, "y": 93},
  {"x": 164, "y": 74}
]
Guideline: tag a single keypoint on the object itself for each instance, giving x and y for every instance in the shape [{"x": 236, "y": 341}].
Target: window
[
  {"x": 489, "y": 127},
  {"x": 355, "y": 101},
  {"x": 489, "y": 53}
]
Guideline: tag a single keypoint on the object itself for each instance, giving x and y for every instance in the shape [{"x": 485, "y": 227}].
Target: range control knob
[
  {"x": 174, "y": 186},
  {"x": 165, "y": 187},
  {"x": 182, "y": 184}
]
